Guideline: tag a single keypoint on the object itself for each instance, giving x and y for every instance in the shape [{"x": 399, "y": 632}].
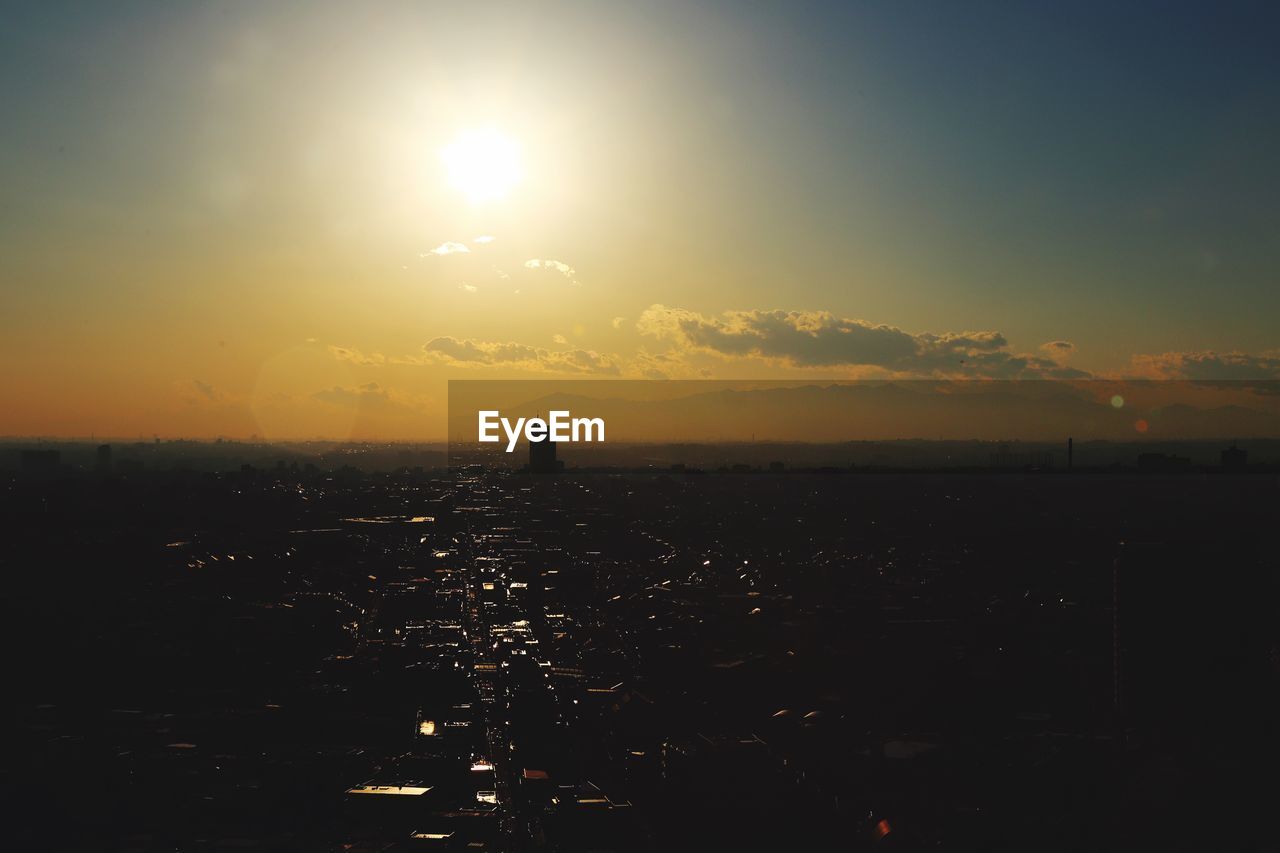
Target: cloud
[
  {"x": 197, "y": 392},
  {"x": 1209, "y": 365},
  {"x": 472, "y": 353},
  {"x": 204, "y": 389},
  {"x": 560, "y": 339},
  {"x": 664, "y": 365},
  {"x": 820, "y": 339},
  {"x": 483, "y": 238},
  {"x": 617, "y": 322},
  {"x": 1058, "y": 350},
  {"x": 556, "y": 266},
  {"x": 356, "y": 357},
  {"x": 469, "y": 288},
  {"x": 448, "y": 248}
]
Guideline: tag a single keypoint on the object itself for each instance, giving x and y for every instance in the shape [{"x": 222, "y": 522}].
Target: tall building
[
  {"x": 542, "y": 457},
  {"x": 104, "y": 459}
]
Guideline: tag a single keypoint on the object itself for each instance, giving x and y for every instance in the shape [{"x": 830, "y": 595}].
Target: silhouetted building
[
  {"x": 542, "y": 457},
  {"x": 1235, "y": 459},
  {"x": 40, "y": 462},
  {"x": 104, "y": 458}
]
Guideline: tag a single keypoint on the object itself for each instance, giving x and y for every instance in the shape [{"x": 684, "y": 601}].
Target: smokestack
[{"x": 1070, "y": 452}]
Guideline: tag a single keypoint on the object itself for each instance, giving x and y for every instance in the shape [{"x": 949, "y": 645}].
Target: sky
[{"x": 243, "y": 220}]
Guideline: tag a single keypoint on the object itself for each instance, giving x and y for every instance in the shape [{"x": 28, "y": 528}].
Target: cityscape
[{"x": 285, "y": 657}]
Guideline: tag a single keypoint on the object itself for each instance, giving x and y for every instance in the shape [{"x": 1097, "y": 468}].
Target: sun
[{"x": 483, "y": 164}]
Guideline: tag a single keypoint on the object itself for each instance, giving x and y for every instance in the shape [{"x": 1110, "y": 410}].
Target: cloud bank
[
  {"x": 820, "y": 339},
  {"x": 466, "y": 352},
  {"x": 1209, "y": 365}
]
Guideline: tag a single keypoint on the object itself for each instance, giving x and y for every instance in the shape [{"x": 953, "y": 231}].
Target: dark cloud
[
  {"x": 664, "y": 365},
  {"x": 1209, "y": 365},
  {"x": 466, "y": 352},
  {"x": 821, "y": 339},
  {"x": 356, "y": 357},
  {"x": 1058, "y": 349}
]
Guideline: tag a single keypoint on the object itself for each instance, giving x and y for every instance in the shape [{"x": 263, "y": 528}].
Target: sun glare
[{"x": 483, "y": 164}]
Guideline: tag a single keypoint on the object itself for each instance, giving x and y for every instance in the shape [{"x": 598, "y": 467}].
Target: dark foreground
[{"x": 792, "y": 662}]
